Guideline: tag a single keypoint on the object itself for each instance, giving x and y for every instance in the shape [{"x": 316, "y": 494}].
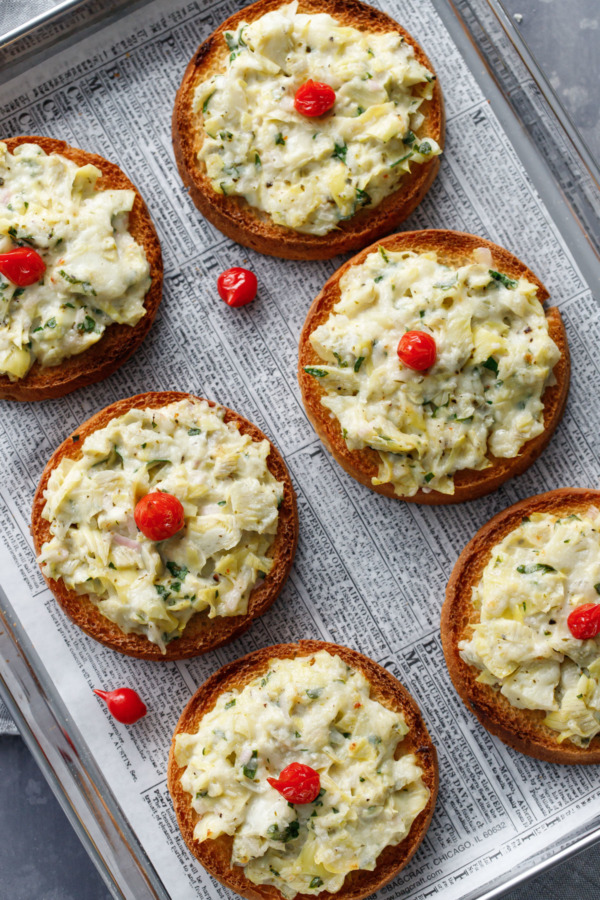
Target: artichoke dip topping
[
  {"x": 307, "y": 173},
  {"x": 494, "y": 359},
  {"x": 93, "y": 272},
  {"x": 229, "y": 497},
  {"x": 314, "y": 710},
  {"x": 538, "y": 576}
]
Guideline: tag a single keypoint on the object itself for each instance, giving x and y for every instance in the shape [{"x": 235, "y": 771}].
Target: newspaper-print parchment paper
[{"x": 370, "y": 572}]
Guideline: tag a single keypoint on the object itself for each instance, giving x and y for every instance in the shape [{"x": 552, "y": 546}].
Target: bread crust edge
[
  {"x": 252, "y": 228},
  {"x": 118, "y": 342},
  {"x": 201, "y": 633},
  {"x": 521, "y": 729},
  {"x": 455, "y": 247},
  {"x": 215, "y": 855}
]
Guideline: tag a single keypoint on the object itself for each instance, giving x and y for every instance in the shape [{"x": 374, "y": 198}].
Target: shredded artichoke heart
[
  {"x": 482, "y": 395},
  {"x": 96, "y": 274},
  {"x": 229, "y": 496},
  {"x": 310, "y": 174},
  {"x": 315, "y": 710},
  {"x": 537, "y": 575}
]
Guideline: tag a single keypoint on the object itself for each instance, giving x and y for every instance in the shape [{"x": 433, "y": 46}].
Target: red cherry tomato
[
  {"x": 124, "y": 704},
  {"x": 22, "y": 266},
  {"x": 297, "y": 783},
  {"x": 584, "y": 621},
  {"x": 313, "y": 98},
  {"x": 417, "y": 350},
  {"x": 159, "y": 516},
  {"x": 237, "y": 286}
]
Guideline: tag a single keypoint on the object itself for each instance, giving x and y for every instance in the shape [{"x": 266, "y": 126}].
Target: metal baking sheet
[{"x": 568, "y": 182}]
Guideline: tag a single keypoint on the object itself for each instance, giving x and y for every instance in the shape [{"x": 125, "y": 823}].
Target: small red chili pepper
[
  {"x": 159, "y": 516},
  {"x": 297, "y": 783},
  {"x": 417, "y": 350},
  {"x": 124, "y": 704},
  {"x": 313, "y": 98},
  {"x": 237, "y": 286},
  {"x": 584, "y": 621},
  {"x": 22, "y": 266}
]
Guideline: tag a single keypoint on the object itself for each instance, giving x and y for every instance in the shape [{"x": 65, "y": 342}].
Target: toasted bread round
[
  {"x": 118, "y": 341},
  {"x": 250, "y": 226},
  {"x": 453, "y": 248},
  {"x": 215, "y": 855},
  {"x": 201, "y": 633},
  {"x": 522, "y": 729}
]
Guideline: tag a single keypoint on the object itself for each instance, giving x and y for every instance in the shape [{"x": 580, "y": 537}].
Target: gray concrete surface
[{"x": 40, "y": 856}]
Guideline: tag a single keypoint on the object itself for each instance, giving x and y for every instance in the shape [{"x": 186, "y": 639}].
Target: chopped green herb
[
  {"x": 316, "y": 882},
  {"x": 111, "y": 565},
  {"x": 384, "y": 255},
  {"x": 362, "y": 197},
  {"x": 341, "y": 362},
  {"x": 251, "y": 766},
  {"x": 425, "y": 148},
  {"x": 358, "y": 363},
  {"x": 288, "y": 834},
  {"x": 86, "y": 287},
  {"x": 19, "y": 293},
  {"x": 257, "y": 161},
  {"x": 597, "y": 588},
  {"x": 409, "y": 139},
  {"x": 346, "y": 734},
  {"x": 226, "y": 135},
  {"x": 535, "y": 567},
  {"x": 378, "y": 278},
  {"x": 314, "y": 693},
  {"x": 201, "y": 794},
  {"x": 359, "y": 112},
  {"x": 222, "y": 503},
  {"x": 402, "y": 159},
  {"x": 274, "y": 872},
  {"x": 87, "y": 325},
  {"x": 51, "y": 323},
  {"x": 361, "y": 778},
  {"x": 279, "y": 138},
  {"x": 176, "y": 570},
  {"x": 491, "y": 364},
  {"x": 205, "y": 104},
  {"x": 503, "y": 279},
  {"x": 230, "y": 704},
  {"x": 428, "y": 477},
  {"x": 340, "y": 151},
  {"x": 194, "y": 431},
  {"x": 316, "y": 373},
  {"x": 230, "y": 41}
]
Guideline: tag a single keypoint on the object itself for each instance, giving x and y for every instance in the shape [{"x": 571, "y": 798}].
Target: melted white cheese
[
  {"x": 310, "y": 174},
  {"x": 96, "y": 273},
  {"x": 314, "y": 710},
  {"x": 482, "y": 395},
  {"x": 537, "y": 575},
  {"x": 230, "y": 500}
]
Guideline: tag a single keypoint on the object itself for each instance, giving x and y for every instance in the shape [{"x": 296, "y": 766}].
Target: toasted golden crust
[
  {"x": 215, "y": 855},
  {"x": 118, "y": 341},
  {"x": 201, "y": 633},
  {"x": 453, "y": 248},
  {"x": 522, "y": 729},
  {"x": 253, "y": 228}
]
